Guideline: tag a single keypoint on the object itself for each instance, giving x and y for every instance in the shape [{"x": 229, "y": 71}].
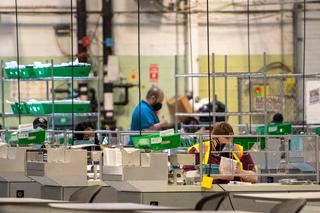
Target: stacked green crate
[
  {"x": 24, "y": 72},
  {"x": 63, "y": 106},
  {"x": 45, "y": 71},
  {"x": 22, "y": 107},
  {"x": 317, "y": 130},
  {"x": 63, "y": 71},
  {"x": 275, "y": 129},
  {"x": 26, "y": 138}
]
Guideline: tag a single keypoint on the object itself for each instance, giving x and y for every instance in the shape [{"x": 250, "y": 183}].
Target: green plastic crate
[
  {"x": 27, "y": 72},
  {"x": 248, "y": 142},
  {"x": 39, "y": 108},
  {"x": 42, "y": 72},
  {"x": 275, "y": 129},
  {"x": 16, "y": 106},
  {"x": 59, "y": 107},
  {"x": 63, "y": 71},
  {"x": 155, "y": 142},
  {"x": 61, "y": 140},
  {"x": 317, "y": 130},
  {"x": 11, "y": 72},
  {"x": 26, "y": 138},
  {"x": 78, "y": 71}
]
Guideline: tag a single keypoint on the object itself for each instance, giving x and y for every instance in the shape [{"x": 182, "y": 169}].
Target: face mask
[
  {"x": 156, "y": 106},
  {"x": 227, "y": 147}
]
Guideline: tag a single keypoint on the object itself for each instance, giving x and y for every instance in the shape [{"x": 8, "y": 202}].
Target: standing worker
[{"x": 149, "y": 108}]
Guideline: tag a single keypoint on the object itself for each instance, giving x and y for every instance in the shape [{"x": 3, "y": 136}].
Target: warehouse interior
[{"x": 159, "y": 105}]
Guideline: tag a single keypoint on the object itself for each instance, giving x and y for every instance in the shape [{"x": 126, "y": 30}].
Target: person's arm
[
  {"x": 223, "y": 177},
  {"x": 148, "y": 121},
  {"x": 248, "y": 172},
  {"x": 158, "y": 126},
  {"x": 149, "y": 118},
  {"x": 187, "y": 168},
  {"x": 248, "y": 176}
]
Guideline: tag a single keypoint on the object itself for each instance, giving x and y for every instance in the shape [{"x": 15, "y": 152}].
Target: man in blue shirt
[{"x": 148, "y": 119}]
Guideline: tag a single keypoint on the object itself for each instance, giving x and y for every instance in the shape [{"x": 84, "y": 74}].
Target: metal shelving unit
[
  {"x": 247, "y": 75},
  {"x": 89, "y": 114},
  {"x": 260, "y": 74},
  {"x": 52, "y": 80}
]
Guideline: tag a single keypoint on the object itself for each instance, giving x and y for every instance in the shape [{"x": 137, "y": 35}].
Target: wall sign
[
  {"x": 154, "y": 72},
  {"x": 273, "y": 103},
  {"x": 314, "y": 96}
]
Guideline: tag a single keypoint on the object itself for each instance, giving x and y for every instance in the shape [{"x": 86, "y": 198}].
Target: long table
[
  {"x": 25, "y": 205},
  {"x": 188, "y": 195},
  {"x": 282, "y": 196}
]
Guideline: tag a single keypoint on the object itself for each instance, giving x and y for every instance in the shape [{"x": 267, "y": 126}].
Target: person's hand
[
  {"x": 163, "y": 123},
  {"x": 238, "y": 169},
  {"x": 223, "y": 177},
  {"x": 159, "y": 126},
  {"x": 226, "y": 176}
]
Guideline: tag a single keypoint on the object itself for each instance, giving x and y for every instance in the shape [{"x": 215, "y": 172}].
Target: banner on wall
[
  {"x": 314, "y": 95},
  {"x": 154, "y": 73},
  {"x": 273, "y": 104},
  {"x": 312, "y": 102}
]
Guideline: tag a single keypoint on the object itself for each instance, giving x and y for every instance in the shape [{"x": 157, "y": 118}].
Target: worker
[
  {"x": 147, "y": 118},
  {"x": 90, "y": 136},
  {"x": 207, "y": 107},
  {"x": 245, "y": 168},
  {"x": 277, "y": 118},
  {"x": 40, "y": 123}
]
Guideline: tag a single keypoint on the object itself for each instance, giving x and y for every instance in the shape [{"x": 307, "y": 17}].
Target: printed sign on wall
[
  {"x": 312, "y": 102},
  {"x": 314, "y": 96},
  {"x": 273, "y": 104},
  {"x": 154, "y": 72}
]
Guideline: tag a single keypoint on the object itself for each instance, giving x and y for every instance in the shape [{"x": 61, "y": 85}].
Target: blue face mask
[{"x": 156, "y": 106}]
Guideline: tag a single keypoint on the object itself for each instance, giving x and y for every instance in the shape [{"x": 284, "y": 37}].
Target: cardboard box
[{"x": 183, "y": 106}]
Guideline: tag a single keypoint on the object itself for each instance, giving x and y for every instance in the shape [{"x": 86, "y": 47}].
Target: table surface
[
  {"x": 28, "y": 200},
  {"x": 269, "y": 187},
  {"x": 219, "y": 211},
  {"x": 310, "y": 209},
  {"x": 309, "y": 196},
  {"x": 109, "y": 206},
  {"x": 142, "y": 187}
]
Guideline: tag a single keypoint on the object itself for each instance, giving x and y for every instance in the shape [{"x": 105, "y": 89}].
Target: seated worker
[
  {"x": 90, "y": 136},
  {"x": 277, "y": 118},
  {"x": 219, "y": 107},
  {"x": 149, "y": 108},
  {"x": 40, "y": 123},
  {"x": 218, "y": 144}
]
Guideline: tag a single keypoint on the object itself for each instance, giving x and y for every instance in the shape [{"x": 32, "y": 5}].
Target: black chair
[
  {"x": 289, "y": 206},
  {"x": 211, "y": 202},
  {"x": 85, "y": 194}
]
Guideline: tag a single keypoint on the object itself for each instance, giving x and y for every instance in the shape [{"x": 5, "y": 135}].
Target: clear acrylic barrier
[{"x": 274, "y": 157}]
